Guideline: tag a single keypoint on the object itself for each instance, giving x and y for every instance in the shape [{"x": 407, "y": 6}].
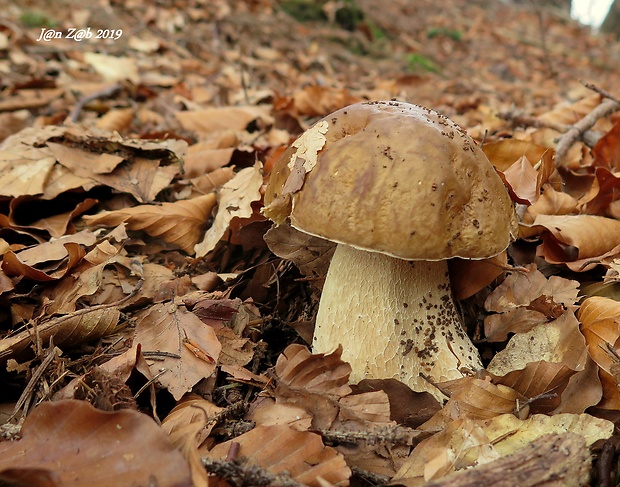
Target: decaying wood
[{"x": 554, "y": 460}]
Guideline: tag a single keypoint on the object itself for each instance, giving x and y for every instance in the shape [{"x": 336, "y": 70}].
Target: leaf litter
[{"x": 139, "y": 275}]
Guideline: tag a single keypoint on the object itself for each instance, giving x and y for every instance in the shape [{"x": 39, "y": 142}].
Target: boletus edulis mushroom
[{"x": 400, "y": 189}]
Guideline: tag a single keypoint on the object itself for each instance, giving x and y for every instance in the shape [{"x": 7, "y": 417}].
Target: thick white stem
[{"x": 394, "y": 319}]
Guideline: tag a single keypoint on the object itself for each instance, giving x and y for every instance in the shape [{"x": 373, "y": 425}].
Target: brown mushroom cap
[{"x": 394, "y": 178}]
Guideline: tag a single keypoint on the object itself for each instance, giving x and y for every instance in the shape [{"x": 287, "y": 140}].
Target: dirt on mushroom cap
[{"x": 399, "y": 179}]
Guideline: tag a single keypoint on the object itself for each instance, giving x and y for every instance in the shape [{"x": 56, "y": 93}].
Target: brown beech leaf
[
  {"x": 216, "y": 119},
  {"x": 407, "y": 407},
  {"x": 538, "y": 379},
  {"x": 48, "y": 261},
  {"x": 57, "y": 224},
  {"x": 266, "y": 412},
  {"x": 70, "y": 443},
  {"x": 280, "y": 449},
  {"x": 82, "y": 162},
  {"x": 551, "y": 202},
  {"x": 606, "y": 152},
  {"x": 462, "y": 443},
  {"x": 310, "y": 254},
  {"x": 600, "y": 326},
  {"x": 467, "y": 276},
  {"x": 522, "y": 180},
  {"x": 191, "y": 348},
  {"x": 317, "y": 373},
  {"x": 366, "y": 408},
  {"x": 203, "y": 159},
  {"x": 315, "y": 101},
  {"x": 312, "y": 381},
  {"x": 67, "y": 331},
  {"x": 579, "y": 241},
  {"x": 552, "y": 357},
  {"x": 505, "y": 153},
  {"x": 180, "y": 223},
  {"x": 188, "y": 425},
  {"x": 206, "y": 183},
  {"x": 604, "y": 191},
  {"x": 116, "y": 120},
  {"x": 475, "y": 398},
  {"x": 558, "y": 341},
  {"x": 234, "y": 200},
  {"x": 526, "y": 299}
]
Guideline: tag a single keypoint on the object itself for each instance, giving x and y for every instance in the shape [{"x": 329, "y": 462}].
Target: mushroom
[{"x": 400, "y": 189}]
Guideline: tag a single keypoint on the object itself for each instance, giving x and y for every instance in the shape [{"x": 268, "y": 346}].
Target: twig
[
  {"x": 32, "y": 383},
  {"x": 242, "y": 474},
  {"x": 106, "y": 92},
  {"x": 545, "y": 395},
  {"x": 151, "y": 381},
  {"x": 370, "y": 477},
  {"x": 606, "y": 467},
  {"x": 600, "y": 91},
  {"x": 397, "y": 435},
  {"x": 577, "y": 131}
]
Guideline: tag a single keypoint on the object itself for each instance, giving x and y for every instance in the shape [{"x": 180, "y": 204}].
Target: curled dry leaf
[
  {"x": 475, "y": 398},
  {"x": 551, "y": 358},
  {"x": 521, "y": 179},
  {"x": 280, "y": 449},
  {"x": 234, "y": 200},
  {"x": 190, "y": 349},
  {"x": 116, "y": 120},
  {"x": 188, "y": 425},
  {"x": 551, "y": 202},
  {"x": 67, "y": 331},
  {"x": 312, "y": 381},
  {"x": 179, "y": 223},
  {"x": 579, "y": 241},
  {"x": 310, "y": 254},
  {"x": 316, "y": 373},
  {"x": 525, "y": 299},
  {"x": 466, "y": 443},
  {"x": 314, "y": 101},
  {"x": 53, "y": 260},
  {"x": 504, "y": 153},
  {"x": 461, "y": 444},
  {"x": 70, "y": 443},
  {"x": 467, "y": 276},
  {"x": 603, "y": 193},
  {"x": 600, "y": 325},
  {"x": 211, "y": 120},
  {"x": 90, "y": 162}
]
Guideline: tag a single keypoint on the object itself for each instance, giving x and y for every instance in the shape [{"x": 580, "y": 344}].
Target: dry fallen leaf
[
  {"x": 305, "y": 458},
  {"x": 600, "y": 326},
  {"x": 70, "y": 443},
  {"x": 189, "y": 348},
  {"x": 579, "y": 241},
  {"x": 312, "y": 381},
  {"x": 179, "y": 223},
  {"x": 234, "y": 200},
  {"x": 67, "y": 331},
  {"x": 525, "y": 299}
]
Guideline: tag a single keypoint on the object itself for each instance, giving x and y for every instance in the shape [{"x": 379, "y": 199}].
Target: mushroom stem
[{"x": 395, "y": 319}]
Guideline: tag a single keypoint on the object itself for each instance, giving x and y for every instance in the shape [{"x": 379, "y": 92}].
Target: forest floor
[{"x": 150, "y": 336}]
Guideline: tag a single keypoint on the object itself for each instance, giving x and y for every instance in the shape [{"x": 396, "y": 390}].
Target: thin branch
[
  {"x": 397, "y": 435},
  {"x": 577, "y": 131},
  {"x": 53, "y": 353},
  {"x": 242, "y": 474}
]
